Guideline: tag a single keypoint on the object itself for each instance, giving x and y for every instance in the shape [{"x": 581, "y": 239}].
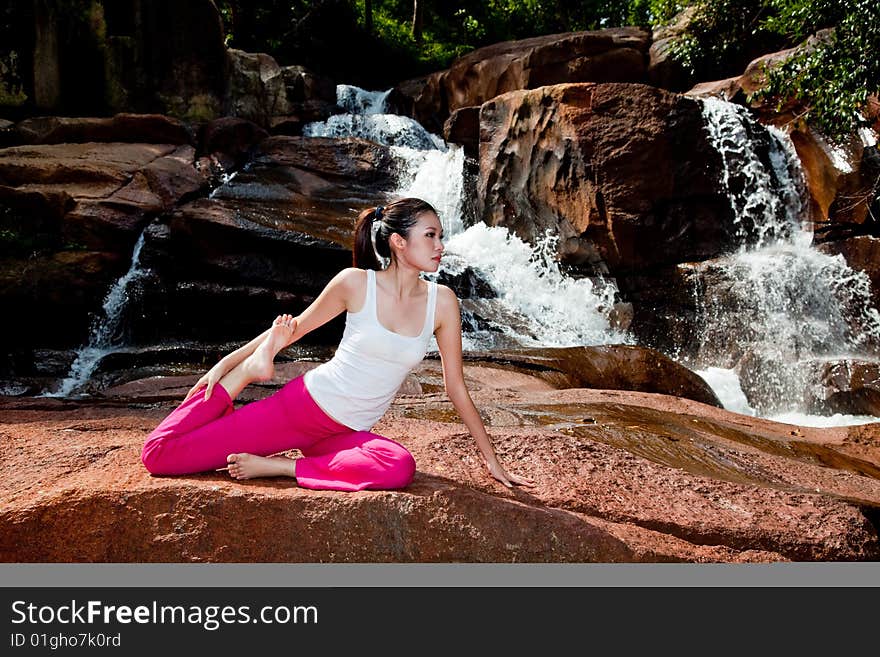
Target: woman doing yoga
[{"x": 327, "y": 413}]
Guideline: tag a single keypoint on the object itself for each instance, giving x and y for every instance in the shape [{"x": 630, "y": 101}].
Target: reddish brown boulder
[
  {"x": 114, "y": 187},
  {"x": 841, "y": 179},
  {"x": 255, "y": 89},
  {"x": 421, "y": 98},
  {"x": 726, "y": 89},
  {"x": 74, "y": 212},
  {"x": 600, "y": 165},
  {"x": 356, "y": 162},
  {"x": 310, "y": 98},
  {"x": 132, "y": 128},
  {"x": 230, "y": 140},
  {"x": 463, "y": 127},
  {"x": 610, "y": 55},
  {"x": 269, "y": 238},
  {"x": 50, "y": 295},
  {"x": 303, "y": 85},
  {"x": 847, "y": 386},
  {"x": 607, "y": 367},
  {"x": 280, "y": 98}
]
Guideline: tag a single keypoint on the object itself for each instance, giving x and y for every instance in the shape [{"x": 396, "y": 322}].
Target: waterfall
[
  {"x": 777, "y": 306},
  {"x": 419, "y": 173},
  {"x": 536, "y": 304},
  {"x": 761, "y": 174},
  {"x": 365, "y": 117},
  {"x": 105, "y": 331}
]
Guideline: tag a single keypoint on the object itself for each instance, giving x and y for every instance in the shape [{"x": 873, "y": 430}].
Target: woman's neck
[{"x": 402, "y": 282}]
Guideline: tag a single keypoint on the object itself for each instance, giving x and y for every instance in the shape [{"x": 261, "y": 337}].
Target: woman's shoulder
[
  {"x": 352, "y": 276},
  {"x": 351, "y": 284},
  {"x": 446, "y": 297},
  {"x": 347, "y": 282},
  {"x": 447, "y": 311}
]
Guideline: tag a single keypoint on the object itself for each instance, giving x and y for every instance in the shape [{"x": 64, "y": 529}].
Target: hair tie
[
  {"x": 374, "y": 232},
  {"x": 378, "y": 213}
]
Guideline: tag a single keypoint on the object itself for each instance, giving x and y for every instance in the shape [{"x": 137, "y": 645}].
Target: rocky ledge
[{"x": 622, "y": 476}]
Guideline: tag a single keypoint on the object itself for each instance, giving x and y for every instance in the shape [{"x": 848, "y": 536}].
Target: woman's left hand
[{"x": 497, "y": 471}]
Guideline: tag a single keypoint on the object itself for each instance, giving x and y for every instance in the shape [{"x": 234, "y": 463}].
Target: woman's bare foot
[
  {"x": 249, "y": 466},
  {"x": 260, "y": 365}
]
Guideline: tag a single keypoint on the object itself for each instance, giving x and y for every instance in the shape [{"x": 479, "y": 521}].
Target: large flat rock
[{"x": 621, "y": 477}]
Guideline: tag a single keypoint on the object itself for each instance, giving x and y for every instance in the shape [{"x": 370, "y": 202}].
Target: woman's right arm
[
  {"x": 232, "y": 359},
  {"x": 334, "y": 298}
]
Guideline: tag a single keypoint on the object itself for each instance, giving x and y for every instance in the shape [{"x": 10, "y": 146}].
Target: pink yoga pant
[{"x": 198, "y": 436}]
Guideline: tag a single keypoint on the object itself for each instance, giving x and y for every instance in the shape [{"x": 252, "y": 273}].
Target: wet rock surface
[
  {"x": 621, "y": 477},
  {"x": 597, "y": 165}
]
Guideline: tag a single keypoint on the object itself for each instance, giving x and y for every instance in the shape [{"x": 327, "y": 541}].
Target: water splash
[
  {"x": 760, "y": 173},
  {"x": 726, "y": 385},
  {"x": 222, "y": 180},
  {"x": 354, "y": 100},
  {"x": 105, "y": 334},
  {"x": 537, "y": 304}
]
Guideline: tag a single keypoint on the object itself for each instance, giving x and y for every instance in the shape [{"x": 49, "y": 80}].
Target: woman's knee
[
  {"x": 402, "y": 466},
  {"x": 151, "y": 456},
  {"x": 150, "y": 459}
]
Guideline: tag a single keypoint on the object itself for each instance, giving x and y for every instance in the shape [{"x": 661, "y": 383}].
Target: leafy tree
[
  {"x": 372, "y": 42},
  {"x": 833, "y": 79},
  {"x": 379, "y": 42},
  {"x": 723, "y": 36}
]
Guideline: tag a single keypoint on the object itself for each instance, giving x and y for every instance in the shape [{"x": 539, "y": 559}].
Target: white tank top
[{"x": 358, "y": 384}]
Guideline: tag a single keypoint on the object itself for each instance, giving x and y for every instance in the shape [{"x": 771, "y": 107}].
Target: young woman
[{"x": 328, "y": 412}]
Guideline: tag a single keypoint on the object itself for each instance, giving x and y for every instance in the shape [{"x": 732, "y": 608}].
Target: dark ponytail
[{"x": 396, "y": 217}]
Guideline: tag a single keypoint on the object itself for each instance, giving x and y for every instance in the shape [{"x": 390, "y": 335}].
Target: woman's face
[{"x": 423, "y": 245}]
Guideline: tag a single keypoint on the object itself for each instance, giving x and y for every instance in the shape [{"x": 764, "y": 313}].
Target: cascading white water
[
  {"x": 766, "y": 200},
  {"x": 355, "y": 100},
  {"x": 419, "y": 174},
  {"x": 537, "y": 305},
  {"x": 104, "y": 334},
  {"x": 365, "y": 117},
  {"x": 777, "y": 305}
]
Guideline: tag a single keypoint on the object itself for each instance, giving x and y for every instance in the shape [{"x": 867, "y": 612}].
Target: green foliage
[
  {"x": 11, "y": 87},
  {"x": 330, "y": 36},
  {"x": 723, "y": 36},
  {"x": 642, "y": 12},
  {"x": 833, "y": 78},
  {"x": 17, "y": 244},
  {"x": 15, "y": 61},
  {"x": 832, "y": 81}
]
